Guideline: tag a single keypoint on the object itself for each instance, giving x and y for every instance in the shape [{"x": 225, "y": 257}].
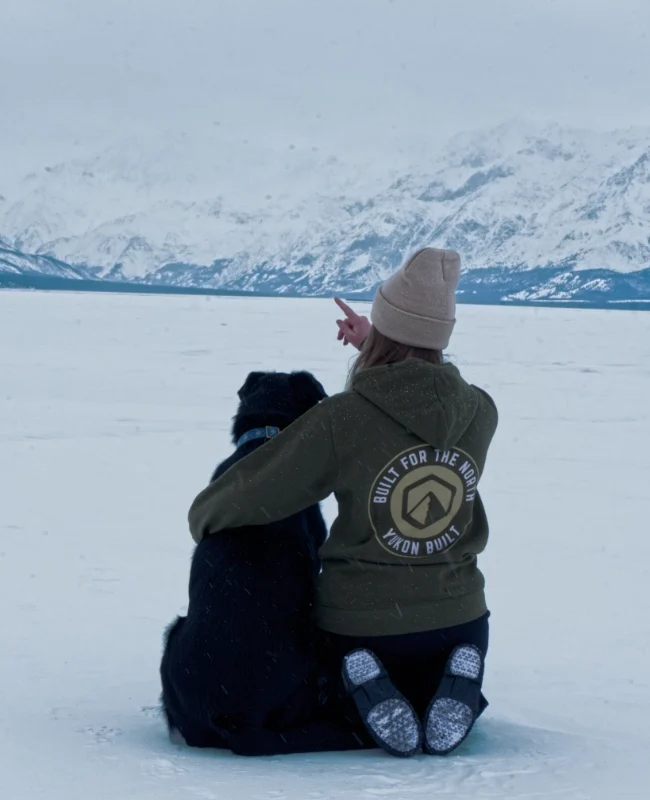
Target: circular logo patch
[{"x": 421, "y": 502}]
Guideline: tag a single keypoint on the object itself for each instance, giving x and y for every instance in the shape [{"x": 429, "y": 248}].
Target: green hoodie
[{"x": 403, "y": 452}]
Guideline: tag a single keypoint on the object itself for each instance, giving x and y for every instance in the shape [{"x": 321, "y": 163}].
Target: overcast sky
[{"x": 338, "y": 71}]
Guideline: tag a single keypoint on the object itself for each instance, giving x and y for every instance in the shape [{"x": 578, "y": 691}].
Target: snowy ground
[{"x": 113, "y": 410}]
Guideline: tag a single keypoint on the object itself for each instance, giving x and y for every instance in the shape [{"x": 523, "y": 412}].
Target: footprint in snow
[{"x": 102, "y": 735}]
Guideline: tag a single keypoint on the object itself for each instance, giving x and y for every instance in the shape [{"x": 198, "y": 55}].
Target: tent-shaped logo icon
[{"x": 428, "y": 501}]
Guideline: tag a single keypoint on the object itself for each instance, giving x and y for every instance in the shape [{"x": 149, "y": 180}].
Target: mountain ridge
[{"x": 513, "y": 199}]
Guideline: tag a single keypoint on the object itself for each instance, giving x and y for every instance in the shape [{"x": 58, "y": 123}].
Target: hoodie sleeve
[{"x": 291, "y": 472}]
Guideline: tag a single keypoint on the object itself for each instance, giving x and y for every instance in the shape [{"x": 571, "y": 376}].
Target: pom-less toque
[{"x": 417, "y": 305}]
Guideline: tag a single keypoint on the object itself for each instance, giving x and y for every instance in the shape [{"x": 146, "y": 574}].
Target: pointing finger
[{"x": 345, "y": 308}]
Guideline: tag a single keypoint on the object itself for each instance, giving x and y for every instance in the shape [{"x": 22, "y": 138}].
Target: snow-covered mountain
[
  {"x": 13, "y": 262},
  {"x": 534, "y": 212}
]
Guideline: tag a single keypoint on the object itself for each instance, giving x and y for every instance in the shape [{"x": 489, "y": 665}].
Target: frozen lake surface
[{"x": 113, "y": 411}]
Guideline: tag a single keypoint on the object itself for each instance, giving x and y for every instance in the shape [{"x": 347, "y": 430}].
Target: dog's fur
[{"x": 242, "y": 664}]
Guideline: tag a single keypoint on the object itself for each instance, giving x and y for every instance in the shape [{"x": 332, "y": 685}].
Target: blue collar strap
[{"x": 258, "y": 433}]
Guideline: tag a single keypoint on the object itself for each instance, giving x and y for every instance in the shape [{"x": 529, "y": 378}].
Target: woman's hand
[{"x": 354, "y": 329}]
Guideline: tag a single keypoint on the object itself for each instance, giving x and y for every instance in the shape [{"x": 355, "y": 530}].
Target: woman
[{"x": 400, "y": 599}]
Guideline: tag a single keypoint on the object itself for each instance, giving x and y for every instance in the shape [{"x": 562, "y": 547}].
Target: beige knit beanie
[{"x": 417, "y": 305}]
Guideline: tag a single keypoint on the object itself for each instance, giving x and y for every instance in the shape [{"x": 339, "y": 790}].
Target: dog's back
[{"x": 243, "y": 656}]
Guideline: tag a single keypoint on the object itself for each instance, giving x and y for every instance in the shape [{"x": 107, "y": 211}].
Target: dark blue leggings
[{"x": 414, "y": 661}]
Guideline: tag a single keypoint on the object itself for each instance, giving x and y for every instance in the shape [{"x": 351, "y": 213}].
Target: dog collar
[{"x": 267, "y": 432}]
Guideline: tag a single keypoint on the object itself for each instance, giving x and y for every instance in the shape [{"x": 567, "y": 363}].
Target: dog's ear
[
  {"x": 250, "y": 383},
  {"x": 307, "y": 391}
]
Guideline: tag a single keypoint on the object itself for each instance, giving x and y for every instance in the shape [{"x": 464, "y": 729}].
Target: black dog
[{"x": 241, "y": 667}]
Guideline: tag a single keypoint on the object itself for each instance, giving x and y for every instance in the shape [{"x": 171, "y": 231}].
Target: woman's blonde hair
[{"x": 378, "y": 351}]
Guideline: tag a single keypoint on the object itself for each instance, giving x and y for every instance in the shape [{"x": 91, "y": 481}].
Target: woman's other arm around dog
[{"x": 293, "y": 471}]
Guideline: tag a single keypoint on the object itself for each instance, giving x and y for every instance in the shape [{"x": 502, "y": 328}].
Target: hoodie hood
[{"x": 432, "y": 401}]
